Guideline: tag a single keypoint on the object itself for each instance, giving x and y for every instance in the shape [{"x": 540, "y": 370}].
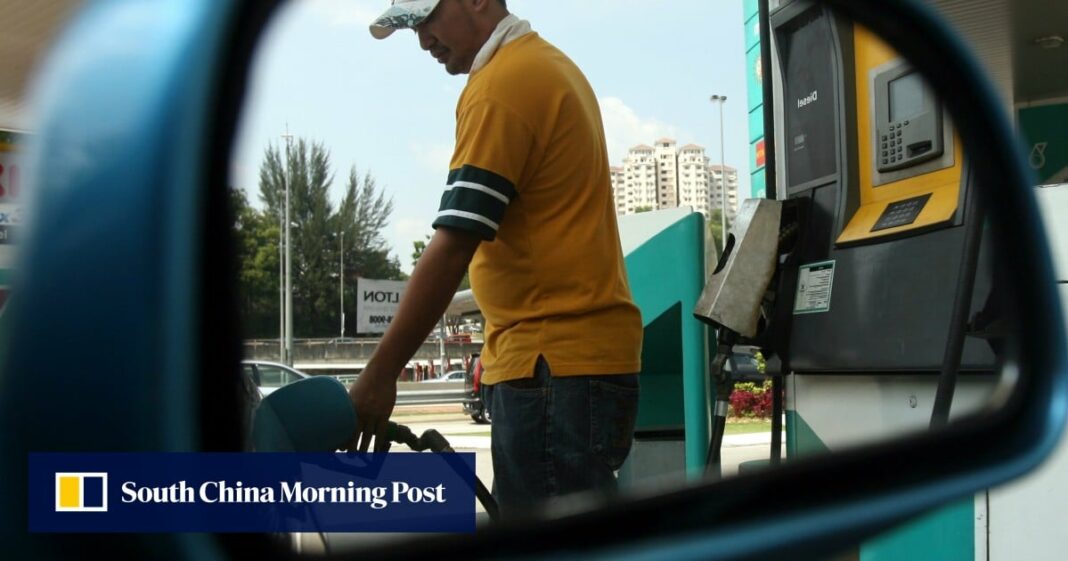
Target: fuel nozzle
[
  {"x": 733, "y": 299},
  {"x": 433, "y": 440},
  {"x": 282, "y": 424},
  {"x": 733, "y": 295},
  {"x": 430, "y": 439}
]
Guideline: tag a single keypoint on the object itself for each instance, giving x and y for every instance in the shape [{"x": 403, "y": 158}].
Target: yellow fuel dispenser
[
  {"x": 881, "y": 291},
  {"x": 867, "y": 152}
]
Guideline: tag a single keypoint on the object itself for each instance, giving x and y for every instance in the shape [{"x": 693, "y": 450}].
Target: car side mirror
[{"x": 129, "y": 242}]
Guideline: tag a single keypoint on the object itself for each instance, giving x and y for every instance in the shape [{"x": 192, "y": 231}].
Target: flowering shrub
[{"x": 750, "y": 401}]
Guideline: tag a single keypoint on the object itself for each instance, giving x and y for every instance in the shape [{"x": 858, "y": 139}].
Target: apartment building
[
  {"x": 639, "y": 180},
  {"x": 693, "y": 179},
  {"x": 619, "y": 188},
  {"x": 718, "y": 175},
  {"x": 666, "y": 176}
]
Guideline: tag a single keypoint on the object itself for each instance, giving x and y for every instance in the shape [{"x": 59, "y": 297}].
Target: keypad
[
  {"x": 893, "y": 144},
  {"x": 901, "y": 213}
]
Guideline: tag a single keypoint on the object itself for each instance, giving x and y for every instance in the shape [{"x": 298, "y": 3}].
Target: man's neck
[
  {"x": 488, "y": 25},
  {"x": 508, "y": 29}
]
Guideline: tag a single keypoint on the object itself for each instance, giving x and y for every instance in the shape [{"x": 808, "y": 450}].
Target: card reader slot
[{"x": 917, "y": 148}]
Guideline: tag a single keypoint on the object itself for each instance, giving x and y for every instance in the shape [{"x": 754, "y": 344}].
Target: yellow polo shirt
[{"x": 530, "y": 175}]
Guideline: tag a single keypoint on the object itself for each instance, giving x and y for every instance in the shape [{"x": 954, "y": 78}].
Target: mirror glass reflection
[{"x": 820, "y": 323}]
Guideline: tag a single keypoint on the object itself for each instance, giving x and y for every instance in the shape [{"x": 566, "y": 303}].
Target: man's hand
[
  {"x": 373, "y": 396},
  {"x": 431, "y": 288}
]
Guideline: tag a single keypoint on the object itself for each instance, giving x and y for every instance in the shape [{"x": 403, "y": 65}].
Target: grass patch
[{"x": 746, "y": 426}]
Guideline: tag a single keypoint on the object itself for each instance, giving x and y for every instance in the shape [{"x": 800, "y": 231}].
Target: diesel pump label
[{"x": 814, "y": 284}]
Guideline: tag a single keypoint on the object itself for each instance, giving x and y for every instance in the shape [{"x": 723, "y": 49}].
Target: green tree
[
  {"x": 418, "y": 247},
  {"x": 257, "y": 243},
  {"x": 363, "y": 214},
  {"x": 715, "y": 227},
  {"x": 317, "y": 230}
]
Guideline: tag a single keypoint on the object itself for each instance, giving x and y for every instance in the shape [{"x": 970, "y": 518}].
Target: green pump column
[{"x": 665, "y": 260}]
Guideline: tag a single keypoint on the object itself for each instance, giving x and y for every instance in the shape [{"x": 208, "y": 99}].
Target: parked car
[
  {"x": 270, "y": 376},
  {"x": 251, "y": 396},
  {"x": 450, "y": 376},
  {"x": 744, "y": 366},
  {"x": 474, "y": 399}
]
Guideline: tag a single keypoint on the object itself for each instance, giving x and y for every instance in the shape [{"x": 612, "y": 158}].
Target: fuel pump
[
  {"x": 867, "y": 277},
  {"x": 888, "y": 268},
  {"x": 868, "y": 266}
]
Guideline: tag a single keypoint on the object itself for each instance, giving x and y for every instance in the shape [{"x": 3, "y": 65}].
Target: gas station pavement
[{"x": 467, "y": 436}]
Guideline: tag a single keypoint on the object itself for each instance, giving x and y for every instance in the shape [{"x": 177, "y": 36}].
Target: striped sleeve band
[{"x": 475, "y": 200}]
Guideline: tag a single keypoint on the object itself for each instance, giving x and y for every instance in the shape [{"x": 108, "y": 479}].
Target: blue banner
[{"x": 252, "y": 492}]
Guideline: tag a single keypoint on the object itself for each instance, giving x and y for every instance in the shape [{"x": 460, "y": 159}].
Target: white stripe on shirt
[
  {"x": 470, "y": 216},
  {"x": 479, "y": 187}
]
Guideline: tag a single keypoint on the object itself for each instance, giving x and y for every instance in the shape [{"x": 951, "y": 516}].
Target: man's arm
[{"x": 430, "y": 290}]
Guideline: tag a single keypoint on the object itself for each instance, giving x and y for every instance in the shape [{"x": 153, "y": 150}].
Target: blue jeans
[{"x": 553, "y": 436}]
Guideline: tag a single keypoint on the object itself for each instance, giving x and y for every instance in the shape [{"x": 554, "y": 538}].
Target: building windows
[{"x": 668, "y": 176}]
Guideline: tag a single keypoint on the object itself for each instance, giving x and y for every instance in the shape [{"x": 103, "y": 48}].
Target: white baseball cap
[{"x": 402, "y": 14}]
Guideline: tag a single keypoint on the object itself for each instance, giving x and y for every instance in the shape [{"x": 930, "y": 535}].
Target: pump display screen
[
  {"x": 906, "y": 97},
  {"x": 908, "y": 120}
]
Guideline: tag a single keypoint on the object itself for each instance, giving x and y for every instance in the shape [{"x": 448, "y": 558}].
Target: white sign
[
  {"x": 376, "y": 303},
  {"x": 814, "y": 284}
]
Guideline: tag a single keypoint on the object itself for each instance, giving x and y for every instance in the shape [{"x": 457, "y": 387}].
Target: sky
[{"x": 388, "y": 108}]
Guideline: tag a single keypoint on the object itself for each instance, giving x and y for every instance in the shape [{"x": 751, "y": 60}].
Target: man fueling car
[{"x": 528, "y": 208}]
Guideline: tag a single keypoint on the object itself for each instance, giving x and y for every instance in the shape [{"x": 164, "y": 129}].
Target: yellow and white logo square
[{"x": 81, "y": 492}]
